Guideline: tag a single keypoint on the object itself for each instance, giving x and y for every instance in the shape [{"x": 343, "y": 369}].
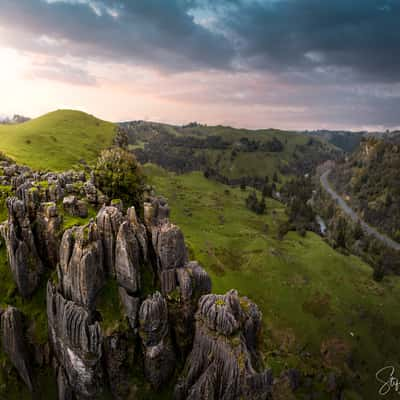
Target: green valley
[{"x": 320, "y": 307}]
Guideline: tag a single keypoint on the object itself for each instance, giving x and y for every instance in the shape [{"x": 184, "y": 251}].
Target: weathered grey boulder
[
  {"x": 127, "y": 258},
  {"x": 47, "y": 231},
  {"x": 169, "y": 246},
  {"x": 90, "y": 191},
  {"x": 140, "y": 232},
  {"x": 108, "y": 221},
  {"x": 15, "y": 345},
  {"x": 156, "y": 211},
  {"x": 77, "y": 344},
  {"x": 69, "y": 204},
  {"x": 192, "y": 282},
  {"x": 159, "y": 357},
  {"x": 25, "y": 263},
  {"x": 73, "y": 206},
  {"x": 31, "y": 197},
  {"x": 81, "y": 268},
  {"x": 219, "y": 366},
  {"x": 56, "y": 191}
]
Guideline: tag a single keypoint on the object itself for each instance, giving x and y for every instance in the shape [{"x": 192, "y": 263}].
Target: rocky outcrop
[
  {"x": 76, "y": 340},
  {"x": 191, "y": 282},
  {"x": 127, "y": 258},
  {"x": 14, "y": 344},
  {"x": 73, "y": 206},
  {"x": 25, "y": 263},
  {"x": 81, "y": 268},
  {"x": 220, "y": 364},
  {"x": 108, "y": 221},
  {"x": 47, "y": 230},
  {"x": 159, "y": 357},
  {"x": 216, "y": 336},
  {"x": 169, "y": 246},
  {"x": 140, "y": 233}
]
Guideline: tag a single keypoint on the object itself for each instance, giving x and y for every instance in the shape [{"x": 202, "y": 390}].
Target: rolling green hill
[
  {"x": 57, "y": 140},
  {"x": 232, "y": 154}
]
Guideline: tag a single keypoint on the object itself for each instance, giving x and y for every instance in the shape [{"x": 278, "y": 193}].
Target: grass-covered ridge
[
  {"x": 232, "y": 153},
  {"x": 320, "y": 307},
  {"x": 56, "y": 141}
]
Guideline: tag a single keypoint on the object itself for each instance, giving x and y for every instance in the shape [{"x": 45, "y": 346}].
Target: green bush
[{"x": 119, "y": 175}]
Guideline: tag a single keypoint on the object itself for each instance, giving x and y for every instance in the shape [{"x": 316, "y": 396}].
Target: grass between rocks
[
  {"x": 320, "y": 307},
  {"x": 111, "y": 309},
  {"x": 70, "y": 220},
  {"x": 56, "y": 141}
]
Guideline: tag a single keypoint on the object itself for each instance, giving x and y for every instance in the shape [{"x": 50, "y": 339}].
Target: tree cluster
[{"x": 255, "y": 205}]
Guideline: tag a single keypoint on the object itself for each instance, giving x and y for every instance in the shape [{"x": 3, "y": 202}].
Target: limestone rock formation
[
  {"x": 47, "y": 231},
  {"x": 108, "y": 221},
  {"x": 159, "y": 357},
  {"x": 25, "y": 263},
  {"x": 215, "y": 336},
  {"x": 192, "y": 282},
  {"x": 220, "y": 364},
  {"x": 77, "y": 343},
  {"x": 127, "y": 258},
  {"x": 81, "y": 268},
  {"x": 169, "y": 245},
  {"x": 14, "y": 344},
  {"x": 140, "y": 232}
]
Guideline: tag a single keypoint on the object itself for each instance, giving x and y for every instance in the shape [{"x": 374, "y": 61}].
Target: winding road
[{"x": 368, "y": 229}]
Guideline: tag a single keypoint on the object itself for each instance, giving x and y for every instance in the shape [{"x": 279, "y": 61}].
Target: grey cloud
[
  {"x": 154, "y": 32},
  {"x": 361, "y": 36},
  {"x": 321, "y": 49}
]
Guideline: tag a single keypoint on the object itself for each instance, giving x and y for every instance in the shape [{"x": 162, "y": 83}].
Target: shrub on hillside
[
  {"x": 255, "y": 205},
  {"x": 119, "y": 175}
]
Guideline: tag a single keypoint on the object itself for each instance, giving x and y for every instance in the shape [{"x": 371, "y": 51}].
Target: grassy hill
[
  {"x": 57, "y": 140},
  {"x": 232, "y": 153},
  {"x": 321, "y": 308}
]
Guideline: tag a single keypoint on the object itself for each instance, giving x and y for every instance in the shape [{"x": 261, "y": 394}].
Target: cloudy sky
[{"x": 296, "y": 64}]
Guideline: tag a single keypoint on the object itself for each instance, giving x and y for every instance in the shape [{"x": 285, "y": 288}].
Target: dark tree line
[{"x": 255, "y": 205}]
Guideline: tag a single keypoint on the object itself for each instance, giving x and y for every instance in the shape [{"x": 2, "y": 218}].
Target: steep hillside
[
  {"x": 370, "y": 181},
  {"x": 346, "y": 140},
  {"x": 228, "y": 154},
  {"x": 57, "y": 140}
]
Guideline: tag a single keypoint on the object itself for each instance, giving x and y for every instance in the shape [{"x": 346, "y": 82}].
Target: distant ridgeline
[
  {"x": 232, "y": 156},
  {"x": 349, "y": 141}
]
